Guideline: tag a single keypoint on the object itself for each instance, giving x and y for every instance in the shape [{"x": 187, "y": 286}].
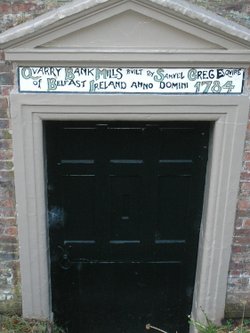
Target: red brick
[
  {"x": 246, "y": 223},
  {"x": 242, "y": 232},
  {"x": 236, "y": 249},
  {"x": 6, "y": 155},
  {"x": 248, "y": 135},
  {"x": 237, "y": 265},
  {"x": 234, "y": 273},
  {"x": 5, "y": 8},
  {"x": 247, "y": 165},
  {"x": 245, "y": 176},
  {"x": 8, "y": 203},
  {"x": 4, "y": 212},
  {"x": 8, "y": 239},
  {"x": 8, "y": 221},
  {"x": 243, "y": 204},
  {"x": 4, "y": 114},
  {"x": 243, "y": 213},
  {"x": 23, "y": 8},
  {"x": 247, "y": 156},
  {"x": 5, "y": 144},
  {"x": 10, "y": 231},
  {"x": 245, "y": 186},
  {"x": 3, "y": 103},
  {"x": 239, "y": 223},
  {"x": 6, "y": 247},
  {"x": 241, "y": 240},
  {"x": 6, "y": 90},
  {"x": 7, "y": 191},
  {"x": 247, "y": 146}
]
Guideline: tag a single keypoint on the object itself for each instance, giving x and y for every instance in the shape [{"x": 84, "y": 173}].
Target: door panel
[{"x": 124, "y": 210}]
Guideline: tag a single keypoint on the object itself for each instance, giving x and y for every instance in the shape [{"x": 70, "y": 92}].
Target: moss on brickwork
[
  {"x": 238, "y": 11},
  {"x": 10, "y": 292},
  {"x": 237, "y": 310},
  {"x": 15, "y": 12},
  {"x": 10, "y": 299},
  {"x": 13, "y": 305}
]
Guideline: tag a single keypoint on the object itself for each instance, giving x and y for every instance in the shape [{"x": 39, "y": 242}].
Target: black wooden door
[{"x": 124, "y": 210}]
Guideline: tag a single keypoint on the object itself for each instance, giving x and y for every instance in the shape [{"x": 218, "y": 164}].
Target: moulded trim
[{"x": 228, "y": 114}]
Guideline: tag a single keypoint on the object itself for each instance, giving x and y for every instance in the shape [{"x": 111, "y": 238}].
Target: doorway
[{"x": 124, "y": 210}]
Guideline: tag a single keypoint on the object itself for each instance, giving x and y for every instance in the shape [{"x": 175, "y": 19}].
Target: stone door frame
[{"x": 228, "y": 115}]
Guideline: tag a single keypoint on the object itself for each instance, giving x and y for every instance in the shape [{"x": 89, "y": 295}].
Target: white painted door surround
[{"x": 228, "y": 116}]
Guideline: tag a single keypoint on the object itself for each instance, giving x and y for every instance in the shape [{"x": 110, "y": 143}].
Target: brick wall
[
  {"x": 238, "y": 291},
  {"x": 9, "y": 271},
  {"x": 238, "y": 11},
  {"x": 17, "y": 11}
]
